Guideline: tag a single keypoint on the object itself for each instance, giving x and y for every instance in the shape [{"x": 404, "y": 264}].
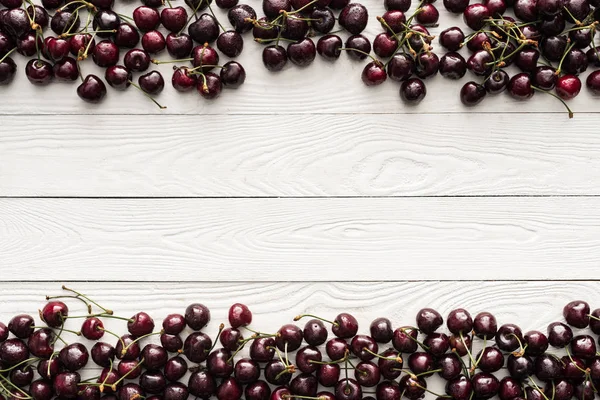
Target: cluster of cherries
[
  {"x": 296, "y": 362},
  {"x": 550, "y": 41}
]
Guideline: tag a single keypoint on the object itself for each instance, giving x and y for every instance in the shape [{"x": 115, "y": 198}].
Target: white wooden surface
[{"x": 263, "y": 184}]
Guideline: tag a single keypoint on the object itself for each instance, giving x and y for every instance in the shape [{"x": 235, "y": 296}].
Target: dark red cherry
[
  {"x": 302, "y": 53},
  {"x": 519, "y": 367},
  {"x": 404, "y": 339},
  {"x": 289, "y": 336},
  {"x": 48, "y": 369},
  {"x": 258, "y": 390},
  {"x": 381, "y": 330},
  {"x": 130, "y": 391},
  {"x": 484, "y": 325},
  {"x": 241, "y": 16},
  {"x": 153, "y": 382},
  {"x": 358, "y": 42},
  {"x": 456, "y": 6},
  {"x": 106, "y": 20},
  {"x": 412, "y": 387},
  {"x": 105, "y": 54},
  {"x": 54, "y": 312},
  {"x": 485, "y": 385},
  {"x": 197, "y": 316},
  {"x": 175, "y": 368},
  {"x": 547, "y": 367},
  {"x": 75, "y": 356},
  {"x": 146, "y": 18},
  {"x": 153, "y": 42},
  {"x": 328, "y": 374},
  {"x": 329, "y": 46},
  {"x": 66, "y": 385},
  {"x": 582, "y": 346},
  {"x": 496, "y": 82},
  {"x": 390, "y": 364},
  {"x": 196, "y": 346},
  {"x": 179, "y": 46},
  {"x": 400, "y": 68},
  {"x": 315, "y": 333},
  {"x": 428, "y": 15},
  {"x": 136, "y": 60},
  {"x": 384, "y": 45},
  {"x": 402, "y": 5},
  {"x": 219, "y": 363},
  {"x": 519, "y": 87},
  {"x": 262, "y": 349},
  {"x": 536, "y": 343},
  {"x": 247, "y": 371},
  {"x": 568, "y": 87},
  {"x": 348, "y": 389},
  {"x": 41, "y": 343},
  {"x": 393, "y": 21},
  {"x": 41, "y": 390},
  {"x": 118, "y": 77},
  {"x": 476, "y": 16},
  {"x": 367, "y": 374},
  {"x": 8, "y": 69},
  {"x": 593, "y": 84},
  {"x": 544, "y": 77},
  {"x": 21, "y": 325},
  {"x": 336, "y": 349},
  {"x": 174, "y": 18},
  {"x": 103, "y": 354},
  {"x": 363, "y": 347},
  {"x": 525, "y": 10},
  {"x": 459, "y": 388},
  {"x": 39, "y": 72},
  {"x": 459, "y": 320},
  {"x": 373, "y": 74},
  {"x": 304, "y": 385},
  {"x": 174, "y": 324},
  {"x": 231, "y": 338},
  {"x": 127, "y": 36},
  {"x": 490, "y": 359},
  {"x": 239, "y": 315},
  {"x": 64, "y": 21},
  {"x": 155, "y": 357},
  {"x": 452, "y": 38},
  {"x": 450, "y": 366},
  {"x": 453, "y": 66},
  {"x": 559, "y": 334},
  {"x": 472, "y": 93},
  {"x": 274, "y": 57},
  {"x": 354, "y": 18},
  {"x": 175, "y": 391},
  {"x": 420, "y": 362},
  {"x": 202, "y": 384}
]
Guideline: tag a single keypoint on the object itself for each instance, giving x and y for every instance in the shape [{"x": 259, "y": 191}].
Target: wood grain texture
[
  {"x": 323, "y": 87},
  {"x": 278, "y": 156},
  {"x": 301, "y": 239}
]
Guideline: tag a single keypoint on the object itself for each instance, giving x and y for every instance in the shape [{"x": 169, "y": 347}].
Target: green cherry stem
[
  {"x": 105, "y": 310},
  {"x": 299, "y": 317}
]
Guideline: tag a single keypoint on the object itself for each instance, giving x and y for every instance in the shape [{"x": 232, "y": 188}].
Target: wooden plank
[
  {"x": 323, "y": 87},
  {"x": 277, "y": 156},
  {"x": 326, "y": 239}
]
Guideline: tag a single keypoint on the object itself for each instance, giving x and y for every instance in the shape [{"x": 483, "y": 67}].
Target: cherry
[
  {"x": 381, "y": 330},
  {"x": 239, "y": 315},
  {"x": 240, "y": 17},
  {"x": 460, "y": 344},
  {"x": 574, "y": 369},
  {"x": 336, "y": 349},
  {"x": 21, "y": 376},
  {"x": 509, "y": 388},
  {"x": 452, "y": 38},
  {"x": 450, "y": 366},
  {"x": 173, "y": 343},
  {"x": 459, "y": 320},
  {"x": 480, "y": 62},
  {"x": 66, "y": 385},
  {"x": 490, "y": 359},
  {"x": 323, "y": 20},
  {"x": 274, "y": 57},
  {"x": 39, "y": 72},
  {"x": 175, "y": 368},
  {"x": 262, "y": 349},
  {"x": 258, "y": 390},
  {"x": 205, "y": 29},
  {"x": 271, "y": 8},
  {"x": 295, "y": 28},
  {"x": 41, "y": 343},
  {"x": 48, "y": 369},
  {"x": 74, "y": 356},
  {"x": 248, "y": 371},
  {"x": 358, "y": 42},
  {"x": 456, "y": 6},
  {"x": 153, "y": 382},
  {"x": 401, "y": 5},
  {"x": 196, "y": 345},
  {"x": 146, "y": 18},
  {"x": 453, "y": 66},
  {"x": 354, "y": 18},
  {"x": 416, "y": 41},
  {"x": 581, "y": 38},
  {"x": 130, "y": 391},
  {"x": 437, "y": 343},
  {"x": 290, "y": 335},
  {"x": 549, "y": 8},
  {"x": 390, "y": 364},
  {"x": 21, "y": 325},
  {"x": 348, "y": 389},
  {"x": 136, "y": 60},
  {"x": 219, "y": 363},
  {"x": 575, "y": 62},
  {"x": 106, "y": 20},
  {"x": 384, "y": 45},
  {"x": 559, "y": 334},
  {"x": 202, "y": 384},
  {"x": 230, "y": 338},
  {"x": 373, "y": 74},
  {"x": 328, "y": 374},
  {"x": 173, "y": 18},
  {"x": 428, "y": 14},
  {"x": 89, "y": 392},
  {"x": 277, "y": 373},
  {"x": 547, "y": 367},
  {"x": 472, "y": 93},
  {"x": 8, "y": 69},
  {"x": 175, "y": 391},
  {"x": 420, "y": 362},
  {"x": 304, "y": 385},
  {"x": 174, "y": 324},
  {"x": 198, "y": 5},
  {"x": 329, "y": 46},
  {"x": 413, "y": 387},
  {"x": 568, "y": 86},
  {"x": 496, "y": 82},
  {"x": 54, "y": 313},
  {"x": 28, "y": 45},
  {"x": 263, "y": 30},
  {"x": 64, "y": 21},
  {"x": 527, "y": 59},
  {"x": 230, "y": 43},
  {"x": 578, "y": 9},
  {"x": 197, "y": 316},
  {"x": 155, "y": 357},
  {"x": 40, "y": 16},
  {"x": 13, "y": 351},
  {"x": 55, "y": 49},
  {"x": 459, "y": 388},
  {"x": 118, "y": 77},
  {"x": 519, "y": 87},
  {"x": 110, "y": 377},
  {"x": 476, "y": 16},
  {"x": 553, "y": 47},
  {"x": 41, "y": 390},
  {"x": 592, "y": 82},
  {"x": 519, "y": 367},
  {"x": 585, "y": 391},
  {"x": 525, "y": 10},
  {"x": 127, "y": 348},
  {"x": 496, "y": 8},
  {"x": 388, "y": 391},
  {"x": 485, "y": 385},
  {"x": 367, "y": 374},
  {"x": 478, "y": 41},
  {"x": 302, "y": 53},
  {"x": 400, "y": 68},
  {"x": 105, "y": 54},
  {"x": 153, "y": 42},
  {"x": 127, "y": 36},
  {"x": 561, "y": 389},
  {"x": 314, "y": 332},
  {"x": 537, "y": 343},
  {"x": 404, "y": 339},
  {"x": 179, "y": 46},
  {"x": 582, "y": 346},
  {"x": 103, "y": 354}
]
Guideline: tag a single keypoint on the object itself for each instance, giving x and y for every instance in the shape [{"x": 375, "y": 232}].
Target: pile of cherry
[
  {"x": 295, "y": 362},
  {"x": 550, "y": 41}
]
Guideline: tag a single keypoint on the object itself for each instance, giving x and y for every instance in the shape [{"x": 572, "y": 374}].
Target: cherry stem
[
  {"x": 190, "y": 17},
  {"x": 433, "y": 371},
  {"x": 15, "y": 387},
  {"x": 29, "y": 360},
  {"x": 536, "y": 387},
  {"x": 557, "y": 72},
  {"x": 103, "y": 315},
  {"x": 359, "y": 51},
  {"x": 215, "y": 17},
  {"x": 301, "y": 8},
  {"x": 397, "y": 358},
  {"x": 556, "y": 97},
  {"x": 299, "y": 317},
  {"x": 106, "y": 311},
  {"x": 295, "y": 396},
  {"x": 89, "y": 307},
  {"x": 7, "y": 54},
  {"x": 592, "y": 316},
  {"x": 158, "y": 62},
  {"x": 462, "y": 339},
  {"x": 61, "y": 329},
  {"x": 221, "y": 327},
  {"x": 154, "y": 101},
  {"x": 101, "y": 328},
  {"x": 124, "y": 351}
]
